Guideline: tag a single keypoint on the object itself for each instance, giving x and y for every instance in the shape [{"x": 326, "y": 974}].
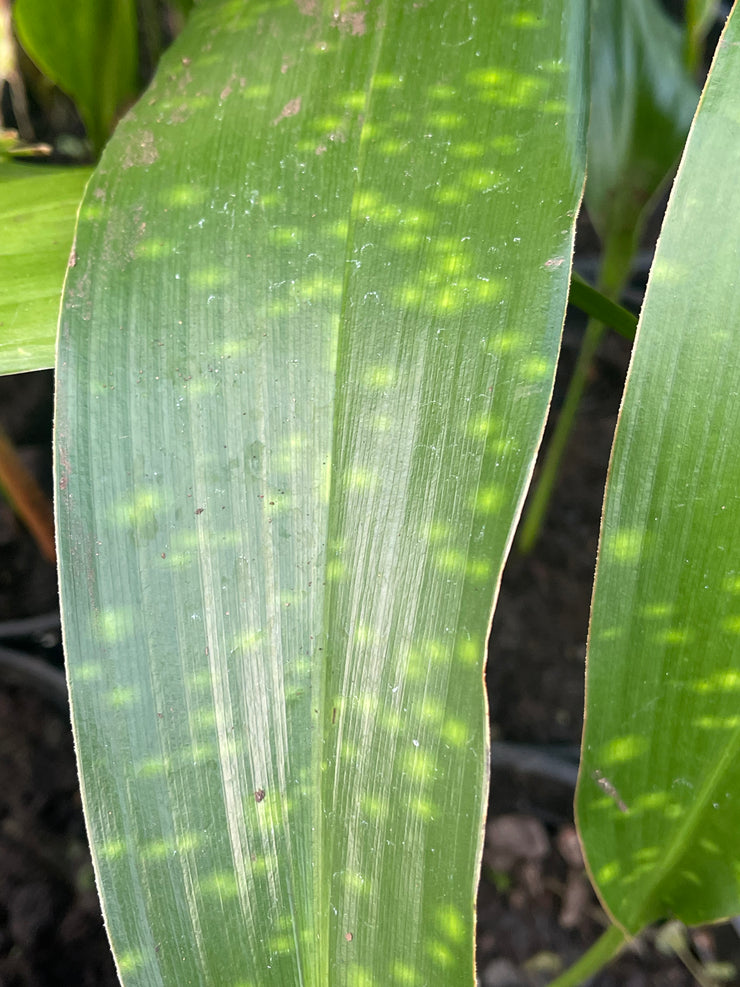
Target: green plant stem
[
  {"x": 538, "y": 505},
  {"x": 606, "y": 947}
]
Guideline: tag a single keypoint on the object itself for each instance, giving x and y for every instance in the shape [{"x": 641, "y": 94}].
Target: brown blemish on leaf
[
  {"x": 259, "y": 795},
  {"x": 290, "y": 109},
  {"x": 308, "y": 7},
  {"x": 349, "y": 22},
  {"x": 348, "y": 936},
  {"x": 606, "y": 786},
  {"x": 141, "y": 152}
]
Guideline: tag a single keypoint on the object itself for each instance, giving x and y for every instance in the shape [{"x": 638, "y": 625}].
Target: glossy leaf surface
[
  {"x": 306, "y": 354},
  {"x": 38, "y": 208},
  {"x": 89, "y": 49},
  {"x": 659, "y": 793}
]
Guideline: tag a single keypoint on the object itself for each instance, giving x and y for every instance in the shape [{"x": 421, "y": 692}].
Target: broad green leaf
[
  {"x": 89, "y": 49},
  {"x": 38, "y": 207},
  {"x": 305, "y": 359},
  {"x": 642, "y": 102},
  {"x": 659, "y": 792}
]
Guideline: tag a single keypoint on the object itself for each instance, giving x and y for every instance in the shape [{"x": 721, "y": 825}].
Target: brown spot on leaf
[
  {"x": 290, "y": 109},
  {"x": 259, "y": 795}
]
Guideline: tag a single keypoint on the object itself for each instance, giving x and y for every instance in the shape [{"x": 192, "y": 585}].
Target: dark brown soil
[{"x": 536, "y": 910}]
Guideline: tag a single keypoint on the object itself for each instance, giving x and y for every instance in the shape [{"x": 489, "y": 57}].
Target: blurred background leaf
[
  {"x": 89, "y": 49},
  {"x": 38, "y": 209},
  {"x": 642, "y": 102}
]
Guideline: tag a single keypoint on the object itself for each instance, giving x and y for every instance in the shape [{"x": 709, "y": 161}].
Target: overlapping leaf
[
  {"x": 38, "y": 208},
  {"x": 659, "y": 793}
]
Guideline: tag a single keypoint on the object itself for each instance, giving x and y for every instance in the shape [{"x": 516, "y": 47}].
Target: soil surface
[{"x": 537, "y": 912}]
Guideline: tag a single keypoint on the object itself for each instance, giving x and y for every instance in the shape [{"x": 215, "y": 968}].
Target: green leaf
[
  {"x": 642, "y": 102},
  {"x": 305, "y": 359},
  {"x": 595, "y": 304},
  {"x": 38, "y": 207},
  {"x": 659, "y": 793},
  {"x": 699, "y": 17},
  {"x": 89, "y": 49}
]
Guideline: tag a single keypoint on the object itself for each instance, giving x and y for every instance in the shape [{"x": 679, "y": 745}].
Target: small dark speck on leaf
[
  {"x": 199, "y": 510},
  {"x": 259, "y": 795},
  {"x": 348, "y": 936},
  {"x": 164, "y": 555}
]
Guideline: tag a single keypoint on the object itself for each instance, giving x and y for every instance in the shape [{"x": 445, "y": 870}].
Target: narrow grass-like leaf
[
  {"x": 306, "y": 354},
  {"x": 596, "y": 305},
  {"x": 38, "y": 208},
  {"x": 659, "y": 792},
  {"x": 89, "y": 49}
]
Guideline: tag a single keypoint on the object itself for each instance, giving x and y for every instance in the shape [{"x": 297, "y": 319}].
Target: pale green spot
[
  {"x": 731, "y": 584},
  {"x": 656, "y": 611},
  {"x": 608, "y": 873},
  {"x": 114, "y": 624},
  {"x": 432, "y": 710},
  {"x": 384, "y": 80},
  {"x": 468, "y": 149},
  {"x": 418, "y": 764},
  {"x": 449, "y": 195},
  {"x": 153, "y": 249},
  {"x": 155, "y": 850},
  {"x": 490, "y": 499},
  {"x": 649, "y": 802},
  {"x": 354, "y": 882},
  {"x": 220, "y": 883},
  {"x": 183, "y": 195},
  {"x": 622, "y": 749},
  {"x": 450, "y": 561},
  {"x": 422, "y": 807},
  {"x": 129, "y": 961},
  {"x": 121, "y": 697},
  {"x": 282, "y": 944},
  {"x": 257, "y": 91},
  {"x": 731, "y": 624},
  {"x": 673, "y": 636},
  {"x": 624, "y": 545},
  {"x": 151, "y": 767},
  {"x": 479, "y": 571},
  {"x": 469, "y": 651},
  {"x": 722, "y": 681},
  {"x": 374, "y": 808},
  {"x": 88, "y": 672},
  {"x": 132, "y": 510},
  {"x": 113, "y": 850},
  {"x": 353, "y": 100},
  {"x": 207, "y": 277},
  {"x": 717, "y": 722},
  {"x": 441, "y": 91},
  {"x": 187, "y": 842},
  {"x": 440, "y": 954},
  {"x": 477, "y": 427},
  {"x": 455, "y": 732},
  {"x": 403, "y": 975},
  {"x": 450, "y": 923},
  {"x": 380, "y": 377}
]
